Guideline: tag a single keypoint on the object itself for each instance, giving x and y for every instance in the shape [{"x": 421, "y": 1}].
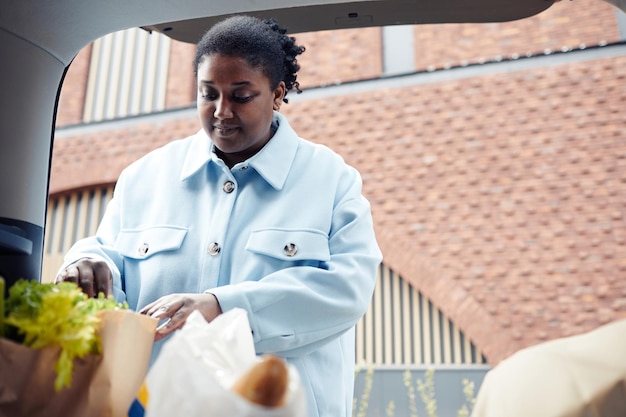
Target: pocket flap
[
  {"x": 143, "y": 243},
  {"x": 290, "y": 244}
]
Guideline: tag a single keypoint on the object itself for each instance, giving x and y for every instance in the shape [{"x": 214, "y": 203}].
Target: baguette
[{"x": 265, "y": 383}]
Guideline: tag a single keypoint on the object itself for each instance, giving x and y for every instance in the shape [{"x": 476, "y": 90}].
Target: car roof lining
[
  {"x": 363, "y": 14},
  {"x": 63, "y": 28}
]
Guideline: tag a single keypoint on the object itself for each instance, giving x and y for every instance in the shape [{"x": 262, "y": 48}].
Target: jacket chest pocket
[
  {"x": 290, "y": 244},
  {"x": 149, "y": 241}
]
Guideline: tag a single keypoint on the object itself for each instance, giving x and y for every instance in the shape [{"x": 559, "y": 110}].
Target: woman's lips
[{"x": 225, "y": 131}]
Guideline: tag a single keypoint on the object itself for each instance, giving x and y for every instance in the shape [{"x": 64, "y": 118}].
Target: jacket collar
[{"x": 273, "y": 162}]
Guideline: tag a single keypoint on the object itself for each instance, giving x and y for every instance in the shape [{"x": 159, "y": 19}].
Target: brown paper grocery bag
[
  {"x": 102, "y": 385},
  {"x": 578, "y": 376}
]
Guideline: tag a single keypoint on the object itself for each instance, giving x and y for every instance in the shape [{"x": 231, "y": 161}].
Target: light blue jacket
[{"x": 285, "y": 235}]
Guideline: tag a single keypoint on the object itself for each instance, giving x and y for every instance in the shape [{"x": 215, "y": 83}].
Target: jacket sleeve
[
  {"x": 293, "y": 311},
  {"x": 101, "y": 247}
]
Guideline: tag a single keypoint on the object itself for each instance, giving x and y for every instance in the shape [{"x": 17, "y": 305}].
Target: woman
[{"x": 244, "y": 214}]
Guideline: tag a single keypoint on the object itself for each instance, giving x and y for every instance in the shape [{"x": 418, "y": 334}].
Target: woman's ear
[{"x": 279, "y": 95}]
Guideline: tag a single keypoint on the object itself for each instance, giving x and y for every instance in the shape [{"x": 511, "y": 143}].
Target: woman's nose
[{"x": 222, "y": 109}]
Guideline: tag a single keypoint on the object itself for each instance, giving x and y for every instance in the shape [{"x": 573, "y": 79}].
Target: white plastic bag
[{"x": 196, "y": 368}]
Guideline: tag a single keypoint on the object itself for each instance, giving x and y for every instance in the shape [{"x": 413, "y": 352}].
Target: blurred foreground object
[
  {"x": 102, "y": 385},
  {"x": 203, "y": 368},
  {"x": 620, "y": 4},
  {"x": 265, "y": 383},
  {"x": 61, "y": 316},
  {"x": 63, "y": 354},
  {"x": 577, "y": 376}
]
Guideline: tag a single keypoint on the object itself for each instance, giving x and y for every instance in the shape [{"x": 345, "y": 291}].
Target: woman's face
[{"x": 235, "y": 105}]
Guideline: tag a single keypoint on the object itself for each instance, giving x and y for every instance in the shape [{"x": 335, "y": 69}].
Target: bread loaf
[{"x": 265, "y": 383}]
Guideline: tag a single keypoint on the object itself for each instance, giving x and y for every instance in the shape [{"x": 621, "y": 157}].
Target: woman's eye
[
  {"x": 242, "y": 99},
  {"x": 208, "y": 96},
  {"x": 211, "y": 96}
]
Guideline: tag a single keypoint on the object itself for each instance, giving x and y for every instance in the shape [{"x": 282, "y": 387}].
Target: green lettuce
[{"x": 41, "y": 315}]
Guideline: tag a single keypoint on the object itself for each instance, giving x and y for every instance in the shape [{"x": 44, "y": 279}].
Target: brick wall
[
  {"x": 72, "y": 98},
  {"x": 564, "y": 25},
  {"x": 334, "y": 57},
  {"x": 517, "y": 204},
  {"x": 181, "y": 88}
]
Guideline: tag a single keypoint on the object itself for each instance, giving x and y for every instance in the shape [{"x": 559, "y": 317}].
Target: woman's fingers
[
  {"x": 156, "y": 308},
  {"x": 103, "y": 279},
  {"x": 80, "y": 275},
  {"x": 69, "y": 274},
  {"x": 93, "y": 277},
  {"x": 170, "y": 324},
  {"x": 86, "y": 279},
  {"x": 173, "y": 310}
]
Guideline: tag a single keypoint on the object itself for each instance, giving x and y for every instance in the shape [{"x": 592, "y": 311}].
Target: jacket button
[
  {"x": 143, "y": 249},
  {"x": 214, "y": 248},
  {"x": 228, "y": 187},
  {"x": 290, "y": 249}
]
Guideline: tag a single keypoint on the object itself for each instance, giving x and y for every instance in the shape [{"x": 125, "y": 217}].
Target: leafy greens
[{"x": 48, "y": 315}]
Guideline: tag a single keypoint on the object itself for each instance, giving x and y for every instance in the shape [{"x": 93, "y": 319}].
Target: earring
[{"x": 276, "y": 106}]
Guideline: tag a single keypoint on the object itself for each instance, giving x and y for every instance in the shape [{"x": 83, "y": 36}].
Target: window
[{"x": 127, "y": 76}]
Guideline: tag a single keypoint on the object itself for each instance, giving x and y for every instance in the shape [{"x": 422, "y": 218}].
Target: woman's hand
[
  {"x": 175, "y": 309},
  {"x": 92, "y": 276}
]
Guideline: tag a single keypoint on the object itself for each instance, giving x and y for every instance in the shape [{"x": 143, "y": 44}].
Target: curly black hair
[{"x": 262, "y": 43}]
